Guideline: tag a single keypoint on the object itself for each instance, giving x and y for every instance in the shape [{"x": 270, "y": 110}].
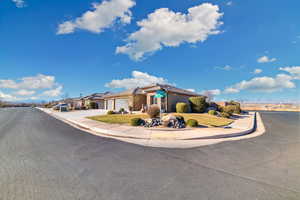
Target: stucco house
[
  {"x": 140, "y": 97},
  {"x": 73, "y": 103},
  {"x": 97, "y": 98}
]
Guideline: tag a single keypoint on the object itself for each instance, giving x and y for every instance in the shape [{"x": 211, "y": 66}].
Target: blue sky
[{"x": 244, "y": 50}]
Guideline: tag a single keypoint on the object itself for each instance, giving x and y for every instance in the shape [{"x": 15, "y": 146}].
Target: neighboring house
[
  {"x": 73, "y": 103},
  {"x": 96, "y": 98},
  {"x": 144, "y": 97}
]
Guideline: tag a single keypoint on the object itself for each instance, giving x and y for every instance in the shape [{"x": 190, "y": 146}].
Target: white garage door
[
  {"x": 122, "y": 103},
  {"x": 110, "y": 104}
]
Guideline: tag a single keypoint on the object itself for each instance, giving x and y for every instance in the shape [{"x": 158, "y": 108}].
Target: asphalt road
[{"x": 42, "y": 158}]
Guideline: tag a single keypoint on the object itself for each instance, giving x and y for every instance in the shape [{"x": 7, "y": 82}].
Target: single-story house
[
  {"x": 96, "y": 98},
  {"x": 143, "y": 97},
  {"x": 73, "y": 103}
]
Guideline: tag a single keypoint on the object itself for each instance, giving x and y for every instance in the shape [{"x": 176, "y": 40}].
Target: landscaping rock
[{"x": 152, "y": 122}]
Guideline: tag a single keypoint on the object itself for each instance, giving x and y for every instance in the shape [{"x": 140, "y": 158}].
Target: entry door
[{"x": 110, "y": 104}]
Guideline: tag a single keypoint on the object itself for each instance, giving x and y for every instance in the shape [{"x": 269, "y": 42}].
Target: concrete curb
[
  {"x": 256, "y": 129},
  {"x": 118, "y": 134}
]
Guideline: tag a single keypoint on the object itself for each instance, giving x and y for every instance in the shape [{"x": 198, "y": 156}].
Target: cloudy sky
[{"x": 244, "y": 50}]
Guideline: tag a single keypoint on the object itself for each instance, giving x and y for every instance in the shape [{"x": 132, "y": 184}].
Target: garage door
[
  {"x": 110, "y": 104},
  {"x": 122, "y": 103}
]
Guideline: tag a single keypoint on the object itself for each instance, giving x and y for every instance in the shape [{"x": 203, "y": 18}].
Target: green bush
[
  {"x": 122, "y": 110},
  {"x": 236, "y": 107},
  {"x": 230, "y": 109},
  {"x": 225, "y": 115},
  {"x": 136, "y": 122},
  {"x": 192, "y": 123},
  {"x": 110, "y": 112},
  {"x": 182, "y": 108},
  {"x": 198, "y": 104},
  {"x": 153, "y": 111},
  {"x": 212, "y": 112}
]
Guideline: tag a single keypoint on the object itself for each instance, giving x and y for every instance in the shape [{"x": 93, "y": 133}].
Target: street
[{"x": 44, "y": 158}]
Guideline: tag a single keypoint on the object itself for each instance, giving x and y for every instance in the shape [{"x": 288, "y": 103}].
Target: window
[{"x": 153, "y": 100}]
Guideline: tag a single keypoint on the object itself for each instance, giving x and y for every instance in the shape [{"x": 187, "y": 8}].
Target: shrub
[
  {"x": 225, "y": 115},
  {"x": 236, "y": 107},
  {"x": 153, "y": 111},
  {"x": 230, "y": 109},
  {"x": 136, "y": 122},
  {"x": 192, "y": 123},
  {"x": 212, "y": 112},
  {"x": 182, "y": 108},
  {"x": 198, "y": 104},
  {"x": 110, "y": 112},
  {"x": 122, "y": 110}
]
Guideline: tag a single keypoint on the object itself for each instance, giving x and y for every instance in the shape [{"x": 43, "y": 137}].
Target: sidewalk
[{"x": 241, "y": 127}]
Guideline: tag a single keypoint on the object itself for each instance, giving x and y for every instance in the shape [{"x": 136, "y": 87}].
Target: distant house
[
  {"x": 138, "y": 98},
  {"x": 73, "y": 103},
  {"x": 96, "y": 98}
]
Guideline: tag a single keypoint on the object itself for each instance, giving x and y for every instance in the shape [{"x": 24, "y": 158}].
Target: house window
[{"x": 153, "y": 100}]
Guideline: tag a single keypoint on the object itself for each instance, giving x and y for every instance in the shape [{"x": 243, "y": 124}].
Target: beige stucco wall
[{"x": 138, "y": 102}]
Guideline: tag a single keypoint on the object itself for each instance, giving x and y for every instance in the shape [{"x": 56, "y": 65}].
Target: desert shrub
[
  {"x": 225, "y": 115},
  {"x": 212, "y": 112},
  {"x": 220, "y": 108},
  {"x": 136, "y": 122},
  {"x": 110, "y": 112},
  {"x": 182, "y": 108},
  {"x": 236, "y": 106},
  {"x": 198, "y": 104},
  {"x": 230, "y": 109},
  {"x": 153, "y": 111},
  {"x": 192, "y": 123},
  {"x": 122, "y": 110}
]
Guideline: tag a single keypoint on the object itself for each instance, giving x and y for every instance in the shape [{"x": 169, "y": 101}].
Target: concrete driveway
[{"x": 43, "y": 158}]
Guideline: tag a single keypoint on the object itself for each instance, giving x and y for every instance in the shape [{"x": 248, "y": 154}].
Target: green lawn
[{"x": 203, "y": 119}]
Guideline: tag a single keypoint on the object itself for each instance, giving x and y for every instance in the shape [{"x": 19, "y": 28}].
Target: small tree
[
  {"x": 234, "y": 106},
  {"x": 153, "y": 111},
  {"x": 182, "y": 108},
  {"x": 198, "y": 104}
]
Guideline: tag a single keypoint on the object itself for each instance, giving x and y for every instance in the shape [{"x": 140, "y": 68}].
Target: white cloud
[
  {"x": 138, "y": 79},
  {"x": 266, "y": 59},
  {"x": 24, "y": 92},
  {"x": 53, "y": 92},
  {"x": 294, "y": 71},
  {"x": 191, "y": 90},
  {"x": 19, "y": 3},
  {"x": 39, "y": 81},
  {"x": 103, "y": 16},
  {"x": 226, "y": 68},
  {"x": 257, "y": 71},
  {"x": 211, "y": 93},
  {"x": 30, "y": 88},
  {"x": 263, "y": 84},
  {"x": 229, "y": 3},
  {"x": 231, "y": 90},
  {"x": 7, "y": 97},
  {"x": 165, "y": 28}
]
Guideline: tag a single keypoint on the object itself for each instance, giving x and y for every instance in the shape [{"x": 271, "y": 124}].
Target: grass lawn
[{"x": 203, "y": 119}]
